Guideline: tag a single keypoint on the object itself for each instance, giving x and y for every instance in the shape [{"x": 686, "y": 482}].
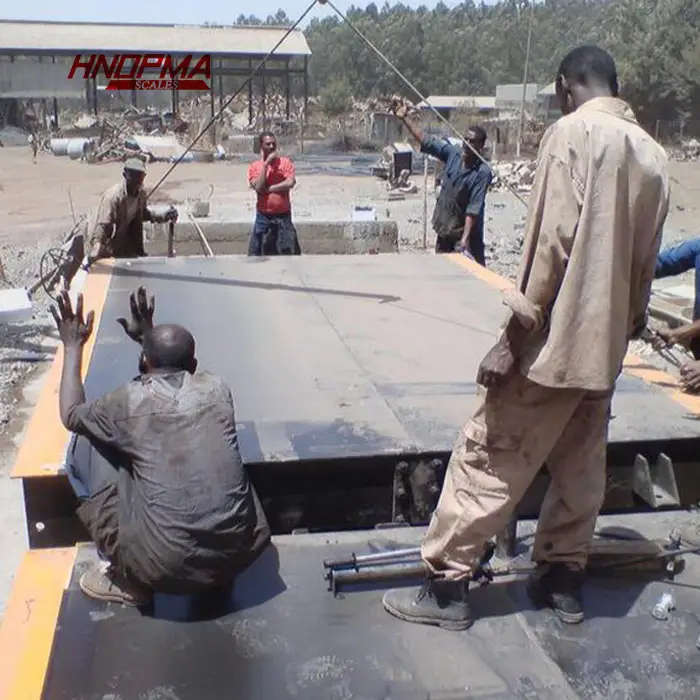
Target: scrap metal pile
[
  {"x": 518, "y": 174},
  {"x": 161, "y": 134},
  {"x": 687, "y": 151}
]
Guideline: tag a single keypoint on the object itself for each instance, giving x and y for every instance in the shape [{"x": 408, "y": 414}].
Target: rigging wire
[
  {"x": 418, "y": 94},
  {"x": 376, "y": 50},
  {"x": 213, "y": 119}
]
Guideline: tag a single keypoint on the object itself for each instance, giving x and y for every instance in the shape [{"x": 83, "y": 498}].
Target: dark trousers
[
  {"x": 676, "y": 260},
  {"x": 273, "y": 234},
  {"x": 93, "y": 471},
  {"x": 90, "y": 467},
  {"x": 450, "y": 244}
]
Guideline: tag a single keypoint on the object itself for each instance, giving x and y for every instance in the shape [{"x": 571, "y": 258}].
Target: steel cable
[
  {"x": 418, "y": 94},
  {"x": 216, "y": 116}
]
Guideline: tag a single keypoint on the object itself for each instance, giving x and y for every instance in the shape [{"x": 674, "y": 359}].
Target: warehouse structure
[{"x": 36, "y": 58}]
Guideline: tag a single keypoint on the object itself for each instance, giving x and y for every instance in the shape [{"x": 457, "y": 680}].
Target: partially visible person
[
  {"x": 116, "y": 230},
  {"x": 34, "y": 145},
  {"x": 272, "y": 177},
  {"x": 594, "y": 225},
  {"x": 670, "y": 262},
  {"x": 458, "y": 219},
  {"x": 156, "y": 466},
  {"x": 673, "y": 261}
]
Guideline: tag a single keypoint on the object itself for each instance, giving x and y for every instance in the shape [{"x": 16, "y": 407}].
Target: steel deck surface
[
  {"x": 281, "y": 635},
  {"x": 341, "y": 356}
]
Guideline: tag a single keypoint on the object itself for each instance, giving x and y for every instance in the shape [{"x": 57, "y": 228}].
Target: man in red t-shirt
[{"x": 272, "y": 177}]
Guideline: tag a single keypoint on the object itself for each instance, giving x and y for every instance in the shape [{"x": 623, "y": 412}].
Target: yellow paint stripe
[
  {"x": 633, "y": 365},
  {"x": 30, "y": 620},
  {"x": 42, "y": 449},
  {"x": 482, "y": 273}
]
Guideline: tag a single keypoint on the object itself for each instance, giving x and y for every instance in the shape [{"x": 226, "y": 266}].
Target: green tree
[
  {"x": 471, "y": 48},
  {"x": 335, "y": 100}
]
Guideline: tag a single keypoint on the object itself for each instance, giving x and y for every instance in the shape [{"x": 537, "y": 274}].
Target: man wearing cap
[{"x": 117, "y": 228}]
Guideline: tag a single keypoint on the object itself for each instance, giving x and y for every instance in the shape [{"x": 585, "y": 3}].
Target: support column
[
  {"x": 250, "y": 92},
  {"x": 173, "y": 101},
  {"x": 55, "y": 111},
  {"x": 289, "y": 91},
  {"x": 133, "y": 98},
  {"x": 212, "y": 104},
  {"x": 263, "y": 106},
  {"x": 221, "y": 86},
  {"x": 94, "y": 96},
  {"x": 306, "y": 87}
]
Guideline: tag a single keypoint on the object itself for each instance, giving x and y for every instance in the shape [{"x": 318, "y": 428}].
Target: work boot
[
  {"x": 441, "y": 603},
  {"x": 558, "y": 586},
  {"x": 100, "y": 584}
]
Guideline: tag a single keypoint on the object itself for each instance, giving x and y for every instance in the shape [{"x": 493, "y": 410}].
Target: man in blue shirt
[
  {"x": 458, "y": 219},
  {"x": 674, "y": 261}
]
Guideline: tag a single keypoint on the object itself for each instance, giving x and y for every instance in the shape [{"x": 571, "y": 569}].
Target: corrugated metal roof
[
  {"x": 48, "y": 37},
  {"x": 458, "y": 102}
]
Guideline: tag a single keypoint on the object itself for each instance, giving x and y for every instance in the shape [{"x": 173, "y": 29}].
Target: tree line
[{"x": 470, "y": 48}]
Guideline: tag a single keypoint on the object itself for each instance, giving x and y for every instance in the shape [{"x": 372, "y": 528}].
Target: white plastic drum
[
  {"x": 59, "y": 147},
  {"x": 76, "y": 148}
]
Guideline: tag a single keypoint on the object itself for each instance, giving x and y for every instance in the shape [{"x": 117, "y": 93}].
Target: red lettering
[
  {"x": 202, "y": 68},
  {"x": 133, "y": 66},
  {"x": 150, "y": 61},
  {"x": 101, "y": 64},
  {"x": 86, "y": 66},
  {"x": 168, "y": 71},
  {"x": 135, "y": 58}
]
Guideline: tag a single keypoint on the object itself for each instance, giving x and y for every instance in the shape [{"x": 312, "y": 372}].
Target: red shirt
[{"x": 278, "y": 171}]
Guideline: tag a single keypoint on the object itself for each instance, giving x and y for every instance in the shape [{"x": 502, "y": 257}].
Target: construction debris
[
  {"x": 519, "y": 175},
  {"x": 688, "y": 150}
]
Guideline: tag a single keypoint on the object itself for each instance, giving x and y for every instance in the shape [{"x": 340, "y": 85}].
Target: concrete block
[
  {"x": 15, "y": 305},
  {"x": 315, "y": 237}
]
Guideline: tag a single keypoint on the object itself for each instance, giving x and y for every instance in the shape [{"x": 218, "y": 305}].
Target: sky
[{"x": 159, "y": 12}]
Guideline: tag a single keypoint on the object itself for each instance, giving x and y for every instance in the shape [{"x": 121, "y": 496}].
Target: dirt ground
[{"x": 38, "y": 201}]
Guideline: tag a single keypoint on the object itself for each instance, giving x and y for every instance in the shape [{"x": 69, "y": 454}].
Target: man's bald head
[{"x": 171, "y": 347}]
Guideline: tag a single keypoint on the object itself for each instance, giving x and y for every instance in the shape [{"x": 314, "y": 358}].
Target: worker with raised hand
[
  {"x": 272, "y": 177},
  {"x": 116, "y": 229},
  {"x": 458, "y": 218},
  {"x": 593, "y": 231},
  {"x": 156, "y": 466}
]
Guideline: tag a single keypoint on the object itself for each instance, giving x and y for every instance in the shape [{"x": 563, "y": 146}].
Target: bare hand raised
[
  {"x": 399, "y": 108},
  {"x": 142, "y": 309},
  {"x": 73, "y": 329}
]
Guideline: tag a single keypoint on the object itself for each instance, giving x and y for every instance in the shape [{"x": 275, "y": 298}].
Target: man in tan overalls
[
  {"x": 117, "y": 228},
  {"x": 595, "y": 219}
]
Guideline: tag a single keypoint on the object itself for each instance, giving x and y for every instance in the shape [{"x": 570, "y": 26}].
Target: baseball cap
[{"x": 135, "y": 164}]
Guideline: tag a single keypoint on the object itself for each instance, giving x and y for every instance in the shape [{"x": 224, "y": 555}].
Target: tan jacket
[
  {"x": 116, "y": 228},
  {"x": 595, "y": 219}
]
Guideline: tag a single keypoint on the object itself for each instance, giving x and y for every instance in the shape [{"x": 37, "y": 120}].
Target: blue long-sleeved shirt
[{"x": 463, "y": 192}]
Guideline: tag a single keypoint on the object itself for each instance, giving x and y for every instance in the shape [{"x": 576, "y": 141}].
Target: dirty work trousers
[
  {"x": 517, "y": 427},
  {"x": 674, "y": 261},
  {"x": 93, "y": 472},
  {"x": 273, "y": 234}
]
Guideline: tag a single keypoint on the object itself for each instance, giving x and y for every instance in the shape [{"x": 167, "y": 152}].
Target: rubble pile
[
  {"x": 163, "y": 135},
  {"x": 519, "y": 175},
  {"x": 688, "y": 150}
]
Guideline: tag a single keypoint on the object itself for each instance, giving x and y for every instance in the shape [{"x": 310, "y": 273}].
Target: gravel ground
[{"x": 24, "y": 345}]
